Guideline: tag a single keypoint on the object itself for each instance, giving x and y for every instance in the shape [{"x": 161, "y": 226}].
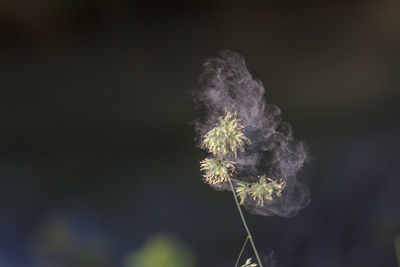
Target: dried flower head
[
  {"x": 217, "y": 170},
  {"x": 264, "y": 189},
  {"x": 226, "y": 138}
]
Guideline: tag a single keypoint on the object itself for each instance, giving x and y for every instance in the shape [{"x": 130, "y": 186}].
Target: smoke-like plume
[{"x": 227, "y": 85}]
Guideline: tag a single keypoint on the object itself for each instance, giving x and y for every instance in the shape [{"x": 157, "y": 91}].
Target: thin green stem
[
  {"x": 244, "y": 223},
  {"x": 236, "y": 180},
  {"x": 241, "y": 251}
]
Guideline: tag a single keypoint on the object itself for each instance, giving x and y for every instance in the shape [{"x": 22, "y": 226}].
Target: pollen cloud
[{"x": 227, "y": 85}]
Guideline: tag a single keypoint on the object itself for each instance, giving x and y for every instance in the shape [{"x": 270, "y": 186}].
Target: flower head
[
  {"x": 264, "y": 189},
  {"x": 248, "y": 263},
  {"x": 226, "y": 138},
  {"x": 217, "y": 170},
  {"x": 223, "y": 141}
]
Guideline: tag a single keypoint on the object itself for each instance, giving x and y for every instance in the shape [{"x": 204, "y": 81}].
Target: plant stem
[
  {"x": 241, "y": 251},
  {"x": 236, "y": 180},
  {"x": 245, "y": 224}
]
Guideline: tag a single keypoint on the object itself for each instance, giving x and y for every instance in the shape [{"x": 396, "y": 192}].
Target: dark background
[{"x": 97, "y": 153}]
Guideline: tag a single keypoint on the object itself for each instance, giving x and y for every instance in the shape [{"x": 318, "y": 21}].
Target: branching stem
[
  {"x": 249, "y": 236},
  {"x": 241, "y": 251}
]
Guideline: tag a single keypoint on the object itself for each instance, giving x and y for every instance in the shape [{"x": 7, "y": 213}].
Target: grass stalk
[{"x": 249, "y": 236}]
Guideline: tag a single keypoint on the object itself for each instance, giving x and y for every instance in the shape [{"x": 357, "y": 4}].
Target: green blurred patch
[
  {"x": 397, "y": 248},
  {"x": 162, "y": 251}
]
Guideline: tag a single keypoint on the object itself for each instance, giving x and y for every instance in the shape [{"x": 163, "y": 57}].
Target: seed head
[
  {"x": 226, "y": 138},
  {"x": 264, "y": 189},
  {"x": 217, "y": 170},
  {"x": 249, "y": 263},
  {"x": 223, "y": 141}
]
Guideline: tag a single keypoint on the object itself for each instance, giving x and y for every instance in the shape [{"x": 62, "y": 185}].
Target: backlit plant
[{"x": 224, "y": 142}]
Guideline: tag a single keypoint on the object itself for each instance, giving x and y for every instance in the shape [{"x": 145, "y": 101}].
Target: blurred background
[{"x": 98, "y": 162}]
